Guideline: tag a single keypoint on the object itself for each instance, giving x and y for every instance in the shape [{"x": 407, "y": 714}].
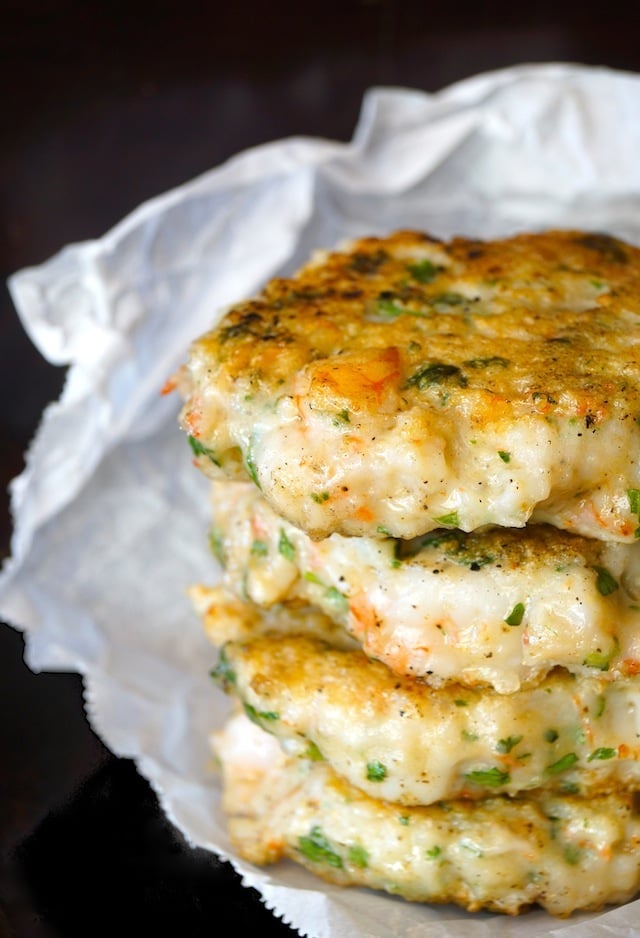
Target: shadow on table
[{"x": 109, "y": 863}]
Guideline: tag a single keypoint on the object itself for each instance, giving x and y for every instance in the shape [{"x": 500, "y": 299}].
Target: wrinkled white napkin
[{"x": 110, "y": 515}]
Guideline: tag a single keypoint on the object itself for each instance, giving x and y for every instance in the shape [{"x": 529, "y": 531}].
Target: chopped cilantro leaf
[
  {"x": 489, "y": 778},
  {"x": 605, "y": 583},
  {"x": 450, "y": 519},
  {"x": 223, "y": 673},
  {"x": 599, "y": 659},
  {"x": 199, "y": 449},
  {"x": 216, "y": 545},
  {"x": 259, "y": 549},
  {"x": 469, "y": 737},
  {"x": 569, "y": 759},
  {"x": 252, "y": 471},
  {"x": 423, "y": 271},
  {"x": 285, "y": 547},
  {"x": 258, "y": 716},
  {"x": 318, "y": 849},
  {"x": 516, "y": 615},
  {"x": 338, "y": 599},
  {"x": 376, "y": 771},
  {"x": 634, "y": 501},
  {"x": 506, "y": 745},
  {"x": 437, "y": 373},
  {"x": 603, "y": 752},
  {"x": 572, "y": 854},
  {"x": 358, "y": 856},
  {"x": 313, "y": 753}
]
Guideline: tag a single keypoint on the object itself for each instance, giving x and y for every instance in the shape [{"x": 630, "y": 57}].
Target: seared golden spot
[{"x": 362, "y": 381}]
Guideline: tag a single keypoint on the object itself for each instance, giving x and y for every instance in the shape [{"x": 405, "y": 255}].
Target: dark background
[{"x": 104, "y": 105}]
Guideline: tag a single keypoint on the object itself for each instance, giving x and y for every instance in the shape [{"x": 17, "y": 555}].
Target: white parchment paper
[{"x": 110, "y": 515}]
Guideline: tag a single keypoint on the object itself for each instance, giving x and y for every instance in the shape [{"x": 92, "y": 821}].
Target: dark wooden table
[{"x": 104, "y": 105}]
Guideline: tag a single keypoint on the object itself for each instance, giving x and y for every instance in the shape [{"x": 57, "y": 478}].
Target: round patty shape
[
  {"x": 403, "y": 384},
  {"x": 411, "y": 744},
  {"x": 501, "y": 606},
  {"x": 502, "y": 854}
]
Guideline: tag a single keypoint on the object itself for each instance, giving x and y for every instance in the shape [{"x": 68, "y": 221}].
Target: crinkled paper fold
[{"x": 110, "y": 515}]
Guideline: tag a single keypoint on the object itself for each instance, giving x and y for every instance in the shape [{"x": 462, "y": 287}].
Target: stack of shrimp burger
[{"x": 425, "y": 501}]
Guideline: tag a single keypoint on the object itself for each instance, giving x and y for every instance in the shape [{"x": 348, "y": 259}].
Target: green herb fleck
[
  {"x": 434, "y": 852},
  {"x": 504, "y": 455},
  {"x": 569, "y": 759},
  {"x": 459, "y": 702},
  {"x": 469, "y": 737},
  {"x": 551, "y": 735},
  {"x": 572, "y": 854},
  {"x": 320, "y": 497},
  {"x": 605, "y": 583},
  {"x": 259, "y": 716},
  {"x": 358, "y": 856},
  {"x": 404, "y": 820},
  {"x": 387, "y": 309},
  {"x": 489, "y": 778},
  {"x": 634, "y": 501},
  {"x": 450, "y": 519},
  {"x": 285, "y": 547},
  {"x": 376, "y": 771},
  {"x": 506, "y": 745},
  {"x": 341, "y": 417},
  {"x": 437, "y": 373},
  {"x": 337, "y": 598},
  {"x": 599, "y": 659},
  {"x": 423, "y": 271},
  {"x": 259, "y": 549},
  {"x": 601, "y": 703},
  {"x": 199, "y": 449},
  {"x": 252, "y": 471},
  {"x": 223, "y": 673},
  {"x": 603, "y": 752},
  {"x": 516, "y": 615},
  {"x": 216, "y": 545},
  {"x": 313, "y": 753},
  {"x": 318, "y": 849}
]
